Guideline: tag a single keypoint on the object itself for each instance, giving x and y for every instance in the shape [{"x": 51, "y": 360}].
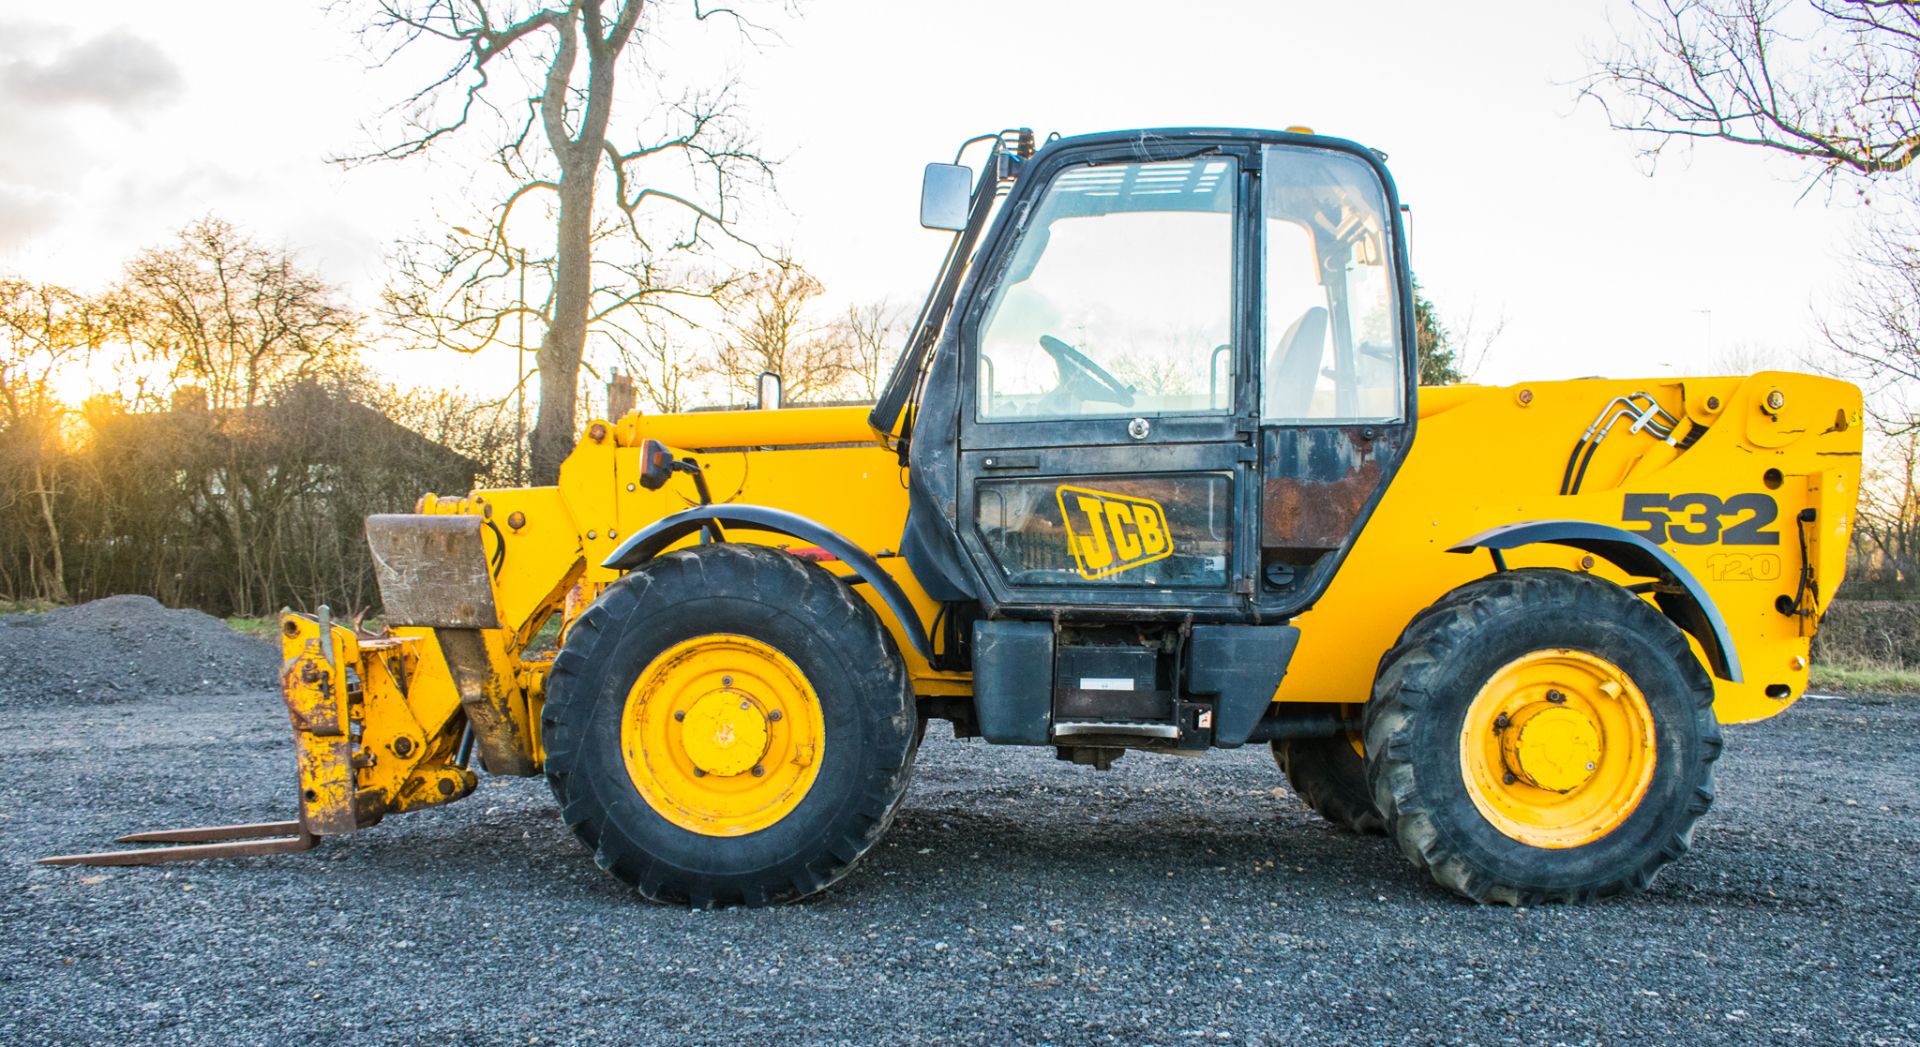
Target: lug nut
[
  {"x": 679, "y": 714},
  {"x": 1776, "y": 399},
  {"x": 758, "y": 770},
  {"x": 744, "y": 706},
  {"x": 726, "y": 681},
  {"x": 774, "y": 716},
  {"x": 1556, "y": 697},
  {"x": 1507, "y": 778},
  {"x": 698, "y": 773},
  {"x": 1502, "y": 722}
]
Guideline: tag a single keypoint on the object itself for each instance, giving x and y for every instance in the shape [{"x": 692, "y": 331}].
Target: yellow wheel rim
[
  {"x": 722, "y": 735},
  {"x": 1558, "y": 748}
]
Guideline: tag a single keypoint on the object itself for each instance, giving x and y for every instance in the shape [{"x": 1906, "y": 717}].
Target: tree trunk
[
  {"x": 566, "y": 338},
  {"x": 56, "y": 584},
  {"x": 580, "y": 156}
]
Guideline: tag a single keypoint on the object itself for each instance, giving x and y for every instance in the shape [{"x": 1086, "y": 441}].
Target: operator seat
[{"x": 1294, "y": 366}]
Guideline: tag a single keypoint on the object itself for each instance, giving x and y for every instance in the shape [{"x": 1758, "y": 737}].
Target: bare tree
[
  {"x": 1473, "y": 340},
  {"x": 771, "y": 329},
  {"x": 233, "y": 324},
  {"x": 1745, "y": 358},
  {"x": 539, "y": 84},
  {"x": 1887, "y": 518},
  {"x": 232, "y": 317},
  {"x": 1834, "y": 82},
  {"x": 1876, "y": 333},
  {"x": 666, "y": 376},
  {"x": 874, "y": 334},
  {"x": 43, "y": 330}
]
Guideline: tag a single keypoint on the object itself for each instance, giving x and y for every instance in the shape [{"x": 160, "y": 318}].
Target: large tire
[
  {"x": 1652, "y": 736},
  {"x": 1332, "y": 779},
  {"x": 713, "y": 603}
]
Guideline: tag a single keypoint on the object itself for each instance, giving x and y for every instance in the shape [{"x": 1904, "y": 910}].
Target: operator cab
[{"x": 1163, "y": 380}]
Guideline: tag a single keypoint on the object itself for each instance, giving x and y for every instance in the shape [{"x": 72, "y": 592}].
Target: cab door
[
  {"x": 1337, "y": 368},
  {"x": 1108, "y": 416},
  {"x": 1184, "y": 378}
]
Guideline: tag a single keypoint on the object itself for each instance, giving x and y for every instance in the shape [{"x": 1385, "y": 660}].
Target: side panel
[
  {"x": 853, "y": 487},
  {"x": 1727, "y": 507}
]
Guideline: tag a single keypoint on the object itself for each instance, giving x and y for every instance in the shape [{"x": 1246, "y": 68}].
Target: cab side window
[{"x": 1332, "y": 338}]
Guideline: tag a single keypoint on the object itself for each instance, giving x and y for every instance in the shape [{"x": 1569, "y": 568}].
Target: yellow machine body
[{"x": 1483, "y": 457}]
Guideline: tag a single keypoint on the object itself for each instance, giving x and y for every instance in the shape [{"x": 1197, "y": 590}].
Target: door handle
[{"x": 1010, "y": 461}]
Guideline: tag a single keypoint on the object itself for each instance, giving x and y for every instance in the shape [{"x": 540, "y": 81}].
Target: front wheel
[
  {"x": 728, "y": 725},
  {"x": 1541, "y": 735}
]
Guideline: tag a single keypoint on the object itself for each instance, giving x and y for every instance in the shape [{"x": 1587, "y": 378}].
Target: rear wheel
[
  {"x": 728, "y": 725},
  {"x": 1330, "y": 775},
  {"x": 1541, "y": 735}
]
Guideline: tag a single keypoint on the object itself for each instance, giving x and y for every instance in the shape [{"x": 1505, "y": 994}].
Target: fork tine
[
  {"x": 212, "y": 833},
  {"x": 289, "y": 837}
]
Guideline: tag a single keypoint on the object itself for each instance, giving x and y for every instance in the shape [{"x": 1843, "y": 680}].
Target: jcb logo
[{"x": 1110, "y": 533}]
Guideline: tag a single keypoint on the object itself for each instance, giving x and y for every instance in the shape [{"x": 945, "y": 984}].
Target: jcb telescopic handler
[{"x": 1152, "y": 472}]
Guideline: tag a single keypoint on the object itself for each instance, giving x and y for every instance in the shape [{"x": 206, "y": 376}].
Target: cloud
[
  {"x": 116, "y": 70},
  {"x": 25, "y": 212},
  {"x": 63, "y": 97}
]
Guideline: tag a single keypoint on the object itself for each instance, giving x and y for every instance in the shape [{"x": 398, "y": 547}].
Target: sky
[{"x": 1528, "y": 213}]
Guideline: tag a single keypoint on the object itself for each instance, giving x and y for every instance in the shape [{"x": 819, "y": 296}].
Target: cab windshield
[{"x": 1118, "y": 298}]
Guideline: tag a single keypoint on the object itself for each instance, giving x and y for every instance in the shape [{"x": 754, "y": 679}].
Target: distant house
[
  {"x": 305, "y": 427},
  {"x": 238, "y": 509}
]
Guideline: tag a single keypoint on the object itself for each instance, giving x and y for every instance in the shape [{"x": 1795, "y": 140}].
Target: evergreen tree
[{"x": 1432, "y": 344}]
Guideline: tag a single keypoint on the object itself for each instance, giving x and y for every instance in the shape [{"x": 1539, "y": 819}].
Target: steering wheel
[{"x": 1081, "y": 377}]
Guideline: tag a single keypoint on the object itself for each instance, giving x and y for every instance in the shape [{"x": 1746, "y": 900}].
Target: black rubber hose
[
  {"x": 1566, "y": 478},
  {"x": 1585, "y": 461},
  {"x": 499, "y": 547}
]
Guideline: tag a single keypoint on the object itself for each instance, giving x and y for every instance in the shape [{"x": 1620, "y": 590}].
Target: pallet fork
[{"x": 389, "y": 722}]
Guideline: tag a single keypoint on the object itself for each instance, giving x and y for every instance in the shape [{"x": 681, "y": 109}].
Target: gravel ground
[{"x": 1018, "y": 899}]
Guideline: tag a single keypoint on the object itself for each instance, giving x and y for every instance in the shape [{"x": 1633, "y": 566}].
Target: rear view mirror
[
  {"x": 946, "y": 190},
  {"x": 656, "y": 464}
]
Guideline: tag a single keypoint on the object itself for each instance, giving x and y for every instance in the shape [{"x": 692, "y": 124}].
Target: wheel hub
[
  {"x": 1551, "y": 746},
  {"x": 1557, "y": 748},
  {"x": 725, "y": 733},
  {"x": 722, "y": 735}
]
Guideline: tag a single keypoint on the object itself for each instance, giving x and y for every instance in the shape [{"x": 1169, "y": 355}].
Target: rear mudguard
[{"x": 1690, "y": 608}]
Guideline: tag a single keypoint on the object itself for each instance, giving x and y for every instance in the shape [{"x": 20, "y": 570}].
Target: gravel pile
[{"x": 124, "y": 647}]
